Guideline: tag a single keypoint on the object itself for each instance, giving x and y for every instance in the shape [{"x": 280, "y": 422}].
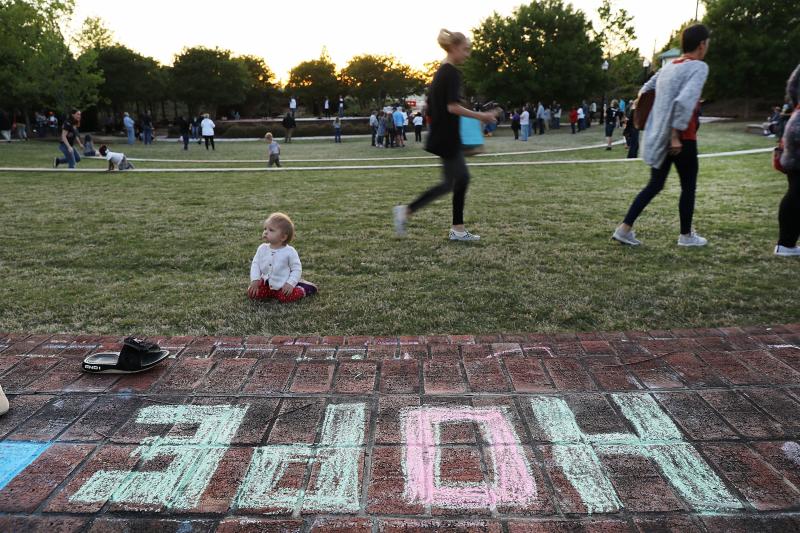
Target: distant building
[{"x": 669, "y": 55}]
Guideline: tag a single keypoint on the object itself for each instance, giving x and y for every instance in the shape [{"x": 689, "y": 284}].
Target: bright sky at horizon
[{"x": 285, "y": 33}]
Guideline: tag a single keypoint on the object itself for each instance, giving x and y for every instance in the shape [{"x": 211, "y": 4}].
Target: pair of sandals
[{"x": 136, "y": 356}]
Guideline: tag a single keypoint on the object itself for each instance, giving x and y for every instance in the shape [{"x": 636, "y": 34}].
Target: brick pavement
[{"x": 682, "y": 430}]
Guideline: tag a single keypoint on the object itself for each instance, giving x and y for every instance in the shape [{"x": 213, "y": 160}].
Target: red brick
[
  {"x": 26, "y": 371},
  {"x": 133, "y": 432},
  {"x": 751, "y": 476},
  {"x": 408, "y": 525},
  {"x": 598, "y": 525},
  {"x": 568, "y": 349},
  {"x": 224, "y": 484},
  {"x": 568, "y": 374},
  {"x": 356, "y": 377},
  {"x": 610, "y": 374},
  {"x": 52, "y": 419},
  {"x": 775, "y": 372},
  {"x": 312, "y": 377},
  {"x": 399, "y": 376},
  {"x": 784, "y": 456},
  {"x": 22, "y": 407},
  {"x": 456, "y": 466},
  {"x": 527, "y": 374},
  {"x": 486, "y": 375},
  {"x": 639, "y": 484},
  {"x": 779, "y": 406},
  {"x": 456, "y": 432},
  {"x": 227, "y": 377},
  {"x": 103, "y": 418},
  {"x": 259, "y": 525},
  {"x": 742, "y": 415},
  {"x": 653, "y": 373},
  {"x": 42, "y": 524},
  {"x": 297, "y": 426},
  {"x": 269, "y": 376},
  {"x": 509, "y": 408},
  {"x": 749, "y": 524},
  {"x": 789, "y": 356},
  {"x": 388, "y": 425},
  {"x": 387, "y": 484},
  {"x": 594, "y": 414},
  {"x": 257, "y": 420},
  {"x": 57, "y": 378},
  {"x": 694, "y": 416},
  {"x": 342, "y": 525},
  {"x": 31, "y": 487},
  {"x": 144, "y": 381},
  {"x": 149, "y": 525},
  {"x": 107, "y": 458},
  {"x": 666, "y": 524},
  {"x": 731, "y": 369},
  {"x": 694, "y": 371},
  {"x": 442, "y": 377},
  {"x": 186, "y": 375},
  {"x": 26, "y": 345},
  {"x": 597, "y": 347}
]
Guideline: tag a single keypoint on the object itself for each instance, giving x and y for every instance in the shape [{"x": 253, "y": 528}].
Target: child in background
[
  {"x": 274, "y": 151},
  {"x": 116, "y": 160},
  {"x": 88, "y": 146},
  {"x": 276, "y": 269},
  {"x": 337, "y": 130}
]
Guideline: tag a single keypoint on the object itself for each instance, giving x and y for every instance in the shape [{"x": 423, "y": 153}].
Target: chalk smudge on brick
[
  {"x": 337, "y": 486},
  {"x": 196, "y": 458},
  {"x": 657, "y": 438},
  {"x": 16, "y": 456},
  {"x": 792, "y": 451},
  {"x": 513, "y": 484}
]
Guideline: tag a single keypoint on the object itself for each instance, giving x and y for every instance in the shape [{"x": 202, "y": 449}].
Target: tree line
[{"x": 545, "y": 50}]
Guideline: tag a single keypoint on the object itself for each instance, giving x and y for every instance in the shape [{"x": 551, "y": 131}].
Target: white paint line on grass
[{"x": 365, "y": 167}]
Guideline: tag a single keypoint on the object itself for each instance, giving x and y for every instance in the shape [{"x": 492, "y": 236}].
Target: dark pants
[
  {"x": 456, "y": 179},
  {"x": 148, "y": 135},
  {"x": 403, "y": 132},
  {"x": 185, "y": 136},
  {"x": 70, "y": 158},
  {"x": 573, "y": 125},
  {"x": 374, "y": 134},
  {"x": 541, "y": 125},
  {"x": 516, "y": 133},
  {"x": 686, "y": 163},
  {"x": 418, "y": 133},
  {"x": 633, "y": 144},
  {"x": 789, "y": 213},
  {"x": 337, "y": 135},
  {"x": 274, "y": 159},
  {"x": 209, "y": 138},
  {"x": 390, "y": 138}
]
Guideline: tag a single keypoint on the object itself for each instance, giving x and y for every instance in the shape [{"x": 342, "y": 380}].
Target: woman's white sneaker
[
  {"x": 463, "y": 236},
  {"x": 785, "y": 251},
  {"x": 400, "y": 219},
  {"x": 693, "y": 239},
  {"x": 3, "y": 402},
  {"x": 626, "y": 237}
]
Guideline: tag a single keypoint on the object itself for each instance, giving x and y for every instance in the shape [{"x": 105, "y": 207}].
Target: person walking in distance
[
  {"x": 293, "y": 106},
  {"x": 207, "y": 125},
  {"x": 671, "y": 134},
  {"x": 289, "y": 125},
  {"x": 444, "y": 138},
  {"x": 789, "y": 211}
]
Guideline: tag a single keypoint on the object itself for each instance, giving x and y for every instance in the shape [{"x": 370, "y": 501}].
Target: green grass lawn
[{"x": 169, "y": 253}]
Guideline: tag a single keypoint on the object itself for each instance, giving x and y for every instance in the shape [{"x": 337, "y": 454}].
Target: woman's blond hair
[
  {"x": 268, "y": 135},
  {"x": 449, "y": 39},
  {"x": 285, "y": 223}
]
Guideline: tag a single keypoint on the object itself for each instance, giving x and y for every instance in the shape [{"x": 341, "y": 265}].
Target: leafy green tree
[
  {"x": 94, "y": 35},
  {"x": 754, "y": 47},
  {"x": 616, "y": 33},
  {"x": 311, "y": 81},
  {"x": 261, "y": 95},
  {"x": 544, "y": 50},
  {"x": 125, "y": 74},
  {"x": 209, "y": 76},
  {"x": 369, "y": 78},
  {"x": 38, "y": 67}
]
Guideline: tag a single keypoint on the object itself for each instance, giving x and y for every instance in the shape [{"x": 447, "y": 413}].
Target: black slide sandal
[{"x": 136, "y": 356}]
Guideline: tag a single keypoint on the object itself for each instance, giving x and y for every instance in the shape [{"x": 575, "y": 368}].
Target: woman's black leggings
[
  {"x": 456, "y": 179},
  {"x": 418, "y": 133},
  {"x": 686, "y": 163},
  {"x": 209, "y": 138},
  {"x": 789, "y": 213}
]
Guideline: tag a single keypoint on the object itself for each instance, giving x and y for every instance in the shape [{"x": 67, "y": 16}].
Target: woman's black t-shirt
[
  {"x": 444, "y": 138},
  {"x": 71, "y": 130}
]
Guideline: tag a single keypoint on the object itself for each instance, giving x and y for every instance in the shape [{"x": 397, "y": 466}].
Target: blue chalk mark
[{"x": 16, "y": 456}]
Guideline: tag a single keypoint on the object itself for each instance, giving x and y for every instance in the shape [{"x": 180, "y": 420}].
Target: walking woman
[
  {"x": 612, "y": 116},
  {"x": 207, "y": 125},
  {"x": 789, "y": 213},
  {"x": 69, "y": 136},
  {"x": 444, "y": 139},
  {"x": 671, "y": 134}
]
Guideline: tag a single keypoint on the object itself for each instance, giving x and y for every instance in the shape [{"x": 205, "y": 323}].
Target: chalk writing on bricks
[{"x": 203, "y": 434}]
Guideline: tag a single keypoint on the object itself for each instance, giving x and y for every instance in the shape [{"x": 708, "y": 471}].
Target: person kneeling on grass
[
  {"x": 274, "y": 151},
  {"x": 276, "y": 269},
  {"x": 116, "y": 160}
]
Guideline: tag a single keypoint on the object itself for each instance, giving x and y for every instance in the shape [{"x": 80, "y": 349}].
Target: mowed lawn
[{"x": 169, "y": 253}]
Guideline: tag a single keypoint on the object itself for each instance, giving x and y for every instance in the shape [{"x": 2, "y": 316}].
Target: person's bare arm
[{"x": 458, "y": 109}]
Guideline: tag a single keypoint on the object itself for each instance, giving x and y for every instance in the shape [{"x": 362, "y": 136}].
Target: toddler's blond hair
[{"x": 285, "y": 223}]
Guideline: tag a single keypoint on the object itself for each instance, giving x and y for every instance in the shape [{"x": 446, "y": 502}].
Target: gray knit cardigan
[{"x": 678, "y": 88}]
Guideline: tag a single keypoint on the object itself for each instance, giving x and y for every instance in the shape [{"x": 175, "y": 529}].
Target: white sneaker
[
  {"x": 400, "y": 219},
  {"x": 785, "y": 251},
  {"x": 628, "y": 238},
  {"x": 3, "y": 402},
  {"x": 463, "y": 236},
  {"x": 693, "y": 239}
]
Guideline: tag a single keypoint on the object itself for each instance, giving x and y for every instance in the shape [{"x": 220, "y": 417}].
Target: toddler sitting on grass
[{"x": 275, "y": 271}]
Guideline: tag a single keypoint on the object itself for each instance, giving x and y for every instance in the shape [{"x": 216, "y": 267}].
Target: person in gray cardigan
[
  {"x": 789, "y": 212},
  {"x": 670, "y": 135}
]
